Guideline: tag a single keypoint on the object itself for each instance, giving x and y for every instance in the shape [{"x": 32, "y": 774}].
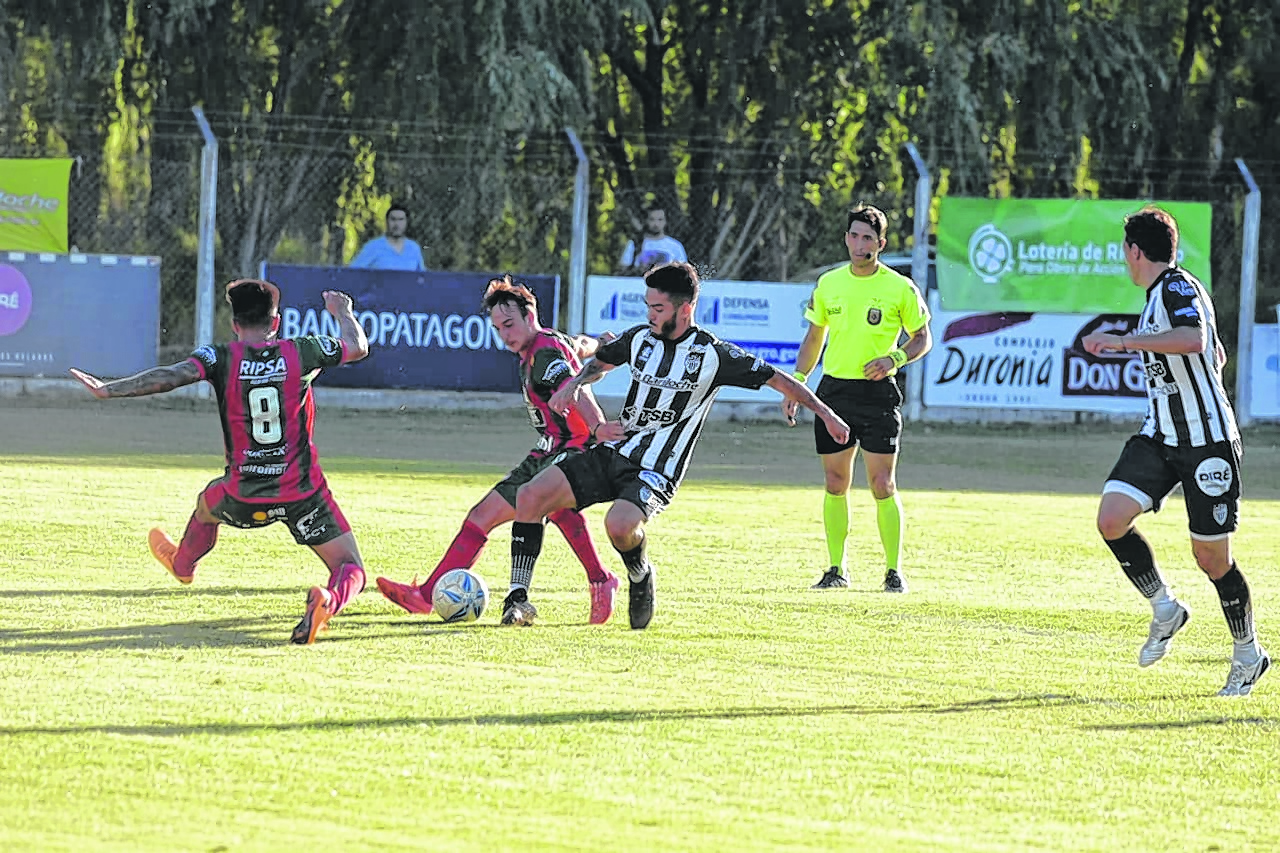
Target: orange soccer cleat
[
  {"x": 319, "y": 612},
  {"x": 163, "y": 549}
]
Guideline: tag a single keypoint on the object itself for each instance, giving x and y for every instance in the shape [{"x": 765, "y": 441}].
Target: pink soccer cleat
[
  {"x": 407, "y": 595},
  {"x": 602, "y": 599}
]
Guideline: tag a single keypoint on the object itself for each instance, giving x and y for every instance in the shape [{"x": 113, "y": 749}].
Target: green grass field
[{"x": 997, "y": 706}]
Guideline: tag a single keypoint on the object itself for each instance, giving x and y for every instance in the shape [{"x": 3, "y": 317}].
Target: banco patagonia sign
[{"x": 1056, "y": 255}]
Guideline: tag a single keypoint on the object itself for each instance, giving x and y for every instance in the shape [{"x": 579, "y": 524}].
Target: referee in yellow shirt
[{"x": 866, "y": 308}]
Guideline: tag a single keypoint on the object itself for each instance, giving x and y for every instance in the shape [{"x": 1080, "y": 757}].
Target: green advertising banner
[
  {"x": 33, "y": 205},
  {"x": 1058, "y": 256}
]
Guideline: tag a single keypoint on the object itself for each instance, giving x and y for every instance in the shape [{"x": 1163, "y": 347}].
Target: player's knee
[
  {"x": 1113, "y": 525},
  {"x": 1211, "y": 562},
  {"x": 620, "y": 531},
  {"x": 530, "y": 499},
  {"x": 883, "y": 486}
]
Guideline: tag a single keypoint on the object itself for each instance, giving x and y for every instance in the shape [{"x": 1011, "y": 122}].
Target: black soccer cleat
[
  {"x": 894, "y": 581},
  {"x": 640, "y": 607},
  {"x": 831, "y": 579},
  {"x": 517, "y": 609}
]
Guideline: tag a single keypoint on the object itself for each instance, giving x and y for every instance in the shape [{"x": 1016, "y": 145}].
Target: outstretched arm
[
  {"x": 796, "y": 392},
  {"x": 157, "y": 380}
]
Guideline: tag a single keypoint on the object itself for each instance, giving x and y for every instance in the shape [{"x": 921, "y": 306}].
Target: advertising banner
[
  {"x": 1051, "y": 255},
  {"x": 100, "y": 313},
  {"x": 33, "y": 205},
  {"x": 426, "y": 330},
  {"x": 1010, "y": 360},
  {"x": 764, "y": 318},
  {"x": 1264, "y": 399}
]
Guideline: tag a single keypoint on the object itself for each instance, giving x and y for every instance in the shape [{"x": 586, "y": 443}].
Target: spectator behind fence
[
  {"x": 393, "y": 250},
  {"x": 655, "y": 247}
]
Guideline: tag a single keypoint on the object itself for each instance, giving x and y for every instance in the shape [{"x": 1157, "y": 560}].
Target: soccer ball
[{"x": 460, "y": 596}]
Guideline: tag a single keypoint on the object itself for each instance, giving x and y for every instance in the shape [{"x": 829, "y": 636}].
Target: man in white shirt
[{"x": 656, "y": 247}]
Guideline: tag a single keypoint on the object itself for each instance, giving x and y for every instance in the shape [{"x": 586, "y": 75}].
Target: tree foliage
[{"x": 754, "y": 124}]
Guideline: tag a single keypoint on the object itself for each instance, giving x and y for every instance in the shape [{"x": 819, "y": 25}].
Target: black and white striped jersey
[
  {"x": 673, "y": 384},
  {"x": 1187, "y": 403}
]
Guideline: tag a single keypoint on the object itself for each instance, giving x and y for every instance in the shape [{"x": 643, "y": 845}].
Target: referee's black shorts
[{"x": 871, "y": 409}]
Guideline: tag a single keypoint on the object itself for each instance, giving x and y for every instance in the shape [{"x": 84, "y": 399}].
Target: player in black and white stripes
[
  {"x": 676, "y": 370},
  {"x": 1189, "y": 437}
]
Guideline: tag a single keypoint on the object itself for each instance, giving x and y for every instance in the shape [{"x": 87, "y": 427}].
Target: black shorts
[
  {"x": 871, "y": 409},
  {"x": 602, "y": 474},
  {"x": 314, "y": 520},
  {"x": 533, "y": 465},
  {"x": 1148, "y": 470}
]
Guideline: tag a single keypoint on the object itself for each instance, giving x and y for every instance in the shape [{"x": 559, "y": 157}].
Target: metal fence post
[
  {"x": 576, "y": 320},
  {"x": 919, "y": 273},
  {"x": 207, "y": 234},
  {"x": 1248, "y": 297}
]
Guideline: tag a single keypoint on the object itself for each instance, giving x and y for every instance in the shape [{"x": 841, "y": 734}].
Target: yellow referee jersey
[{"x": 864, "y": 316}]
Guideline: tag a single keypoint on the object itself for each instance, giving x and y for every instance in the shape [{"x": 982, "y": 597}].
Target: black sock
[
  {"x": 1139, "y": 564},
  {"x": 1233, "y": 593},
  {"x": 526, "y": 545},
  {"x": 634, "y": 560}
]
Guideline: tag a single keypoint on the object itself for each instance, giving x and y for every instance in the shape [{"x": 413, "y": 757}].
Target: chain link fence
[{"x": 312, "y": 190}]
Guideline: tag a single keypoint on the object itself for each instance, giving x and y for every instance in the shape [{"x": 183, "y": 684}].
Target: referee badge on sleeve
[{"x": 873, "y": 316}]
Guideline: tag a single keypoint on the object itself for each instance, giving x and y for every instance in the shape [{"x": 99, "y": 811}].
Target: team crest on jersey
[
  {"x": 645, "y": 352},
  {"x": 1220, "y": 514},
  {"x": 874, "y": 316},
  {"x": 693, "y": 362}
]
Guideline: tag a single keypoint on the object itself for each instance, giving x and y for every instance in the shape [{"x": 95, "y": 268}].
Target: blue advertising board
[
  {"x": 100, "y": 313},
  {"x": 426, "y": 329}
]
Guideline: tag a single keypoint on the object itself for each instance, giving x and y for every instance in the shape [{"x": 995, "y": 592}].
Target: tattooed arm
[{"x": 157, "y": 380}]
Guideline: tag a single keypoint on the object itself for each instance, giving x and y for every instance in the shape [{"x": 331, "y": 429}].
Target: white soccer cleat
[
  {"x": 1245, "y": 672},
  {"x": 1161, "y": 635}
]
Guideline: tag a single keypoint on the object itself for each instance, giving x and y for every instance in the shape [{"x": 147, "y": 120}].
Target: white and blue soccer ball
[{"x": 460, "y": 596}]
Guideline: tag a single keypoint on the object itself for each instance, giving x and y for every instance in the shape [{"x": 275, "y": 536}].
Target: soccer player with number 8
[{"x": 263, "y": 388}]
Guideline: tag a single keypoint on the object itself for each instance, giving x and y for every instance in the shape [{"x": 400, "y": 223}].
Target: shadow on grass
[
  {"x": 567, "y": 718},
  {"x": 1171, "y": 725},
  {"x": 257, "y": 631},
  {"x": 167, "y": 592}
]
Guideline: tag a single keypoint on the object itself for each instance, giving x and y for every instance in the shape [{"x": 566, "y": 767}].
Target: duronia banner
[
  {"x": 1051, "y": 255},
  {"x": 33, "y": 205}
]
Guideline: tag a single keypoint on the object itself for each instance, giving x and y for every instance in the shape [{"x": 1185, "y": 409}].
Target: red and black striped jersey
[
  {"x": 267, "y": 412},
  {"x": 548, "y": 363}
]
